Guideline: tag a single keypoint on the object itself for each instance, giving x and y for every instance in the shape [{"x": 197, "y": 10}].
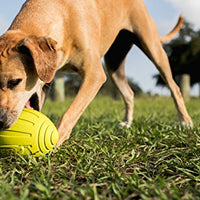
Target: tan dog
[{"x": 48, "y": 35}]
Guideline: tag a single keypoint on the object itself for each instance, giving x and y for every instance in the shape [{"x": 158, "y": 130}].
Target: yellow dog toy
[{"x": 33, "y": 133}]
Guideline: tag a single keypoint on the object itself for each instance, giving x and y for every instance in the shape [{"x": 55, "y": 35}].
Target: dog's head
[{"x": 26, "y": 64}]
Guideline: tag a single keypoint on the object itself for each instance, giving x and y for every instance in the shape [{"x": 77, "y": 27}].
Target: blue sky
[{"x": 164, "y": 12}]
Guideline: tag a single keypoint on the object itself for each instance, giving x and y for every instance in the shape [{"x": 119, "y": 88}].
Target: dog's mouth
[{"x": 33, "y": 102}]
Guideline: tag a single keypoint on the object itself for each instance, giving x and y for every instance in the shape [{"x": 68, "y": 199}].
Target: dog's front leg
[{"x": 93, "y": 78}]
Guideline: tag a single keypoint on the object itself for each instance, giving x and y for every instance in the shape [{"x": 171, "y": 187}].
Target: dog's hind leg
[
  {"x": 114, "y": 61},
  {"x": 148, "y": 40}
]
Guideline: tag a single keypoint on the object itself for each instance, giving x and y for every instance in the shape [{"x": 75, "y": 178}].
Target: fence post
[
  {"x": 58, "y": 89},
  {"x": 184, "y": 84}
]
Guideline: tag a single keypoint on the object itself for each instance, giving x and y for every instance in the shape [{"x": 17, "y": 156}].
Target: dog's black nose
[
  {"x": 1, "y": 125},
  {"x": 4, "y": 125}
]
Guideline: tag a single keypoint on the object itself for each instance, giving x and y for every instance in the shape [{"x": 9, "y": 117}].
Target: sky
[{"x": 138, "y": 67}]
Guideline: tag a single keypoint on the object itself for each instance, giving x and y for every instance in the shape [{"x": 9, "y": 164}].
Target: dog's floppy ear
[{"x": 43, "y": 53}]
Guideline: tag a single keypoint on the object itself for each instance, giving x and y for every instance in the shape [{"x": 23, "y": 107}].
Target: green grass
[{"x": 154, "y": 159}]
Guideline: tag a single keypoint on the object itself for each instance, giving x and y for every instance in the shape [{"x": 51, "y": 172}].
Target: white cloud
[{"x": 189, "y": 8}]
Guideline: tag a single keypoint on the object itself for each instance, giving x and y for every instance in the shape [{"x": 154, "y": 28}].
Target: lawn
[{"x": 154, "y": 159}]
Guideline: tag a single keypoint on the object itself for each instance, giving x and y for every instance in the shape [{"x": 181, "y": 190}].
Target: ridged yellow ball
[{"x": 32, "y": 134}]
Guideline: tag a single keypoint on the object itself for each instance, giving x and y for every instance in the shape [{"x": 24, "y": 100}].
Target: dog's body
[{"x": 48, "y": 35}]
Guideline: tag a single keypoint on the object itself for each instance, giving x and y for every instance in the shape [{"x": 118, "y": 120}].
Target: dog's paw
[
  {"x": 124, "y": 125},
  {"x": 186, "y": 122},
  {"x": 188, "y": 125}
]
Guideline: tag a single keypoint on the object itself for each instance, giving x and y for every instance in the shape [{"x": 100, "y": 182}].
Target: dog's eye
[{"x": 13, "y": 83}]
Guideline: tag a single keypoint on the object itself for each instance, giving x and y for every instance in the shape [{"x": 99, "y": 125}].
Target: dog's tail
[{"x": 176, "y": 29}]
